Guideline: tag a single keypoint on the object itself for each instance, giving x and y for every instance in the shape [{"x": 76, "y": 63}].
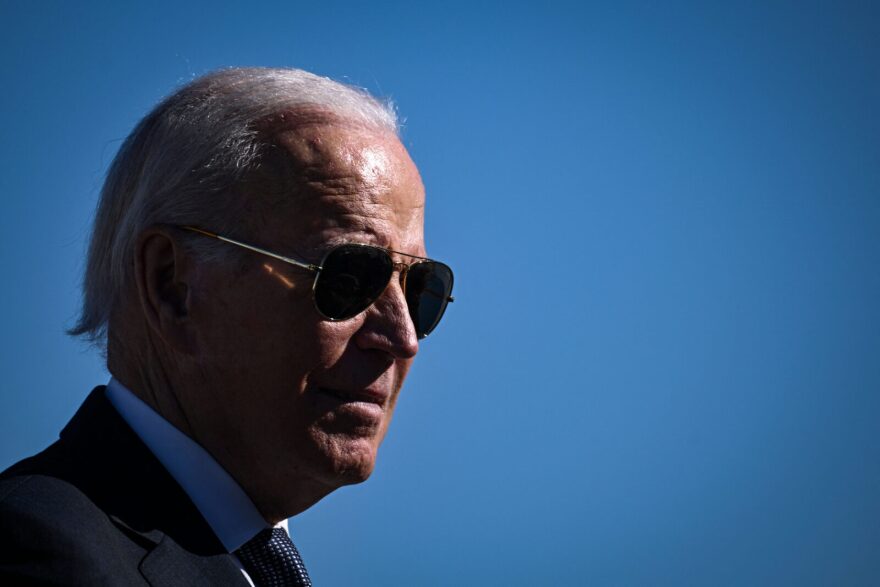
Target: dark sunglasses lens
[
  {"x": 428, "y": 286},
  {"x": 352, "y": 277}
]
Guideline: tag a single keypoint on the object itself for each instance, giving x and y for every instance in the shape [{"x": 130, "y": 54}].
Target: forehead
[{"x": 354, "y": 184}]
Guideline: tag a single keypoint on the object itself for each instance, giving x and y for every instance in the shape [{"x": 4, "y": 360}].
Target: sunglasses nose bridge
[{"x": 404, "y": 269}]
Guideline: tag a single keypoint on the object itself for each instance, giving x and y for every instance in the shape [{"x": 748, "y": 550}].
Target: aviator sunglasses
[{"x": 352, "y": 276}]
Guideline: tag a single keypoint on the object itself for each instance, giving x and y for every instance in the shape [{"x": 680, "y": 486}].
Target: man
[{"x": 258, "y": 274}]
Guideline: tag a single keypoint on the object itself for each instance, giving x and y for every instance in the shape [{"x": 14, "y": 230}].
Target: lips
[{"x": 363, "y": 395}]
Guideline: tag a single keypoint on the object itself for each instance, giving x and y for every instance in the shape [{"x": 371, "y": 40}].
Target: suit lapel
[
  {"x": 168, "y": 564},
  {"x": 109, "y": 463}
]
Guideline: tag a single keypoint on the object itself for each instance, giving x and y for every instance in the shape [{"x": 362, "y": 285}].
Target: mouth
[
  {"x": 360, "y": 396},
  {"x": 359, "y": 413}
]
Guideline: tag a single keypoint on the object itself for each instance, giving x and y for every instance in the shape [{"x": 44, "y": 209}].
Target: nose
[{"x": 388, "y": 326}]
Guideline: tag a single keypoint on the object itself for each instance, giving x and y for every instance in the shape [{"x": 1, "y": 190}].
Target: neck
[
  {"x": 145, "y": 374},
  {"x": 161, "y": 384}
]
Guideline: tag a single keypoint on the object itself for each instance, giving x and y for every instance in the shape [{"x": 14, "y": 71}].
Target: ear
[{"x": 164, "y": 274}]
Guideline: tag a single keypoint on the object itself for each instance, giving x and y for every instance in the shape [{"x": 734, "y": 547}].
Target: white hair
[{"x": 190, "y": 151}]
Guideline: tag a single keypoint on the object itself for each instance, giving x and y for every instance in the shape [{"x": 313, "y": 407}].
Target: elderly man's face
[{"x": 291, "y": 399}]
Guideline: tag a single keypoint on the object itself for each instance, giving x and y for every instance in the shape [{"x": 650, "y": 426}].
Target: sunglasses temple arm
[{"x": 294, "y": 262}]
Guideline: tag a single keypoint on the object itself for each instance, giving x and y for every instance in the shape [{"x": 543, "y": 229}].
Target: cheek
[
  {"x": 248, "y": 308},
  {"x": 333, "y": 338}
]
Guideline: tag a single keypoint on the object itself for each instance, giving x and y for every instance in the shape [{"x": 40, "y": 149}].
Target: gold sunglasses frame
[{"x": 316, "y": 269}]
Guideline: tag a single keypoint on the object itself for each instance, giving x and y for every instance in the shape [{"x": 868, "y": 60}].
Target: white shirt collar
[{"x": 222, "y": 502}]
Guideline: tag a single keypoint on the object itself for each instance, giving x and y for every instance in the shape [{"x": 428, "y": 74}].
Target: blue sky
[{"x": 663, "y": 364}]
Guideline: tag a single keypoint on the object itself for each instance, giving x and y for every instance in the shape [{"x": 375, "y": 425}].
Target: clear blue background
[{"x": 663, "y": 366}]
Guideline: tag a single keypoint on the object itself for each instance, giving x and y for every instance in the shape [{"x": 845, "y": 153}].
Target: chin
[
  {"x": 349, "y": 461},
  {"x": 343, "y": 449},
  {"x": 322, "y": 470},
  {"x": 353, "y": 476}
]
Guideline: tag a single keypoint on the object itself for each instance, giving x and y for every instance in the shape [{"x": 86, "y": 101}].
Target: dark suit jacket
[{"x": 97, "y": 508}]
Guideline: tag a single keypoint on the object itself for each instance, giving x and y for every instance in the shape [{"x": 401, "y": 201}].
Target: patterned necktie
[{"x": 271, "y": 559}]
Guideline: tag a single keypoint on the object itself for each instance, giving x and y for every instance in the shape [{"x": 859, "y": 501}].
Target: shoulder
[
  {"x": 50, "y": 531},
  {"x": 41, "y": 498}
]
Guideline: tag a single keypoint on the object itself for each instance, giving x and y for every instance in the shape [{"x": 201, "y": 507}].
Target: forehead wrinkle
[
  {"x": 333, "y": 186},
  {"x": 347, "y": 218},
  {"x": 355, "y": 211}
]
